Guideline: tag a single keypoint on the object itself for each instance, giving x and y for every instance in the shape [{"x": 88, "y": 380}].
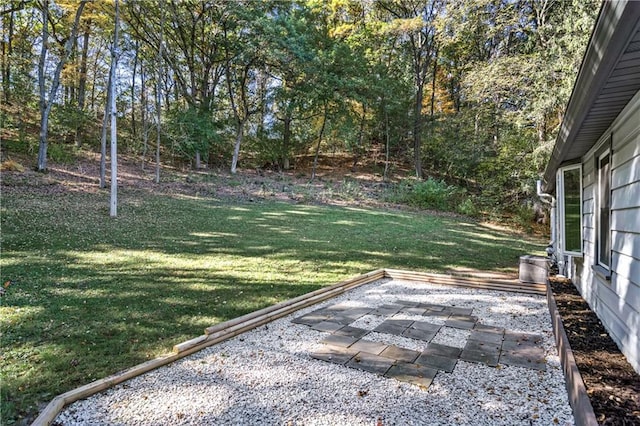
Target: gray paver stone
[
  {"x": 489, "y": 329},
  {"x": 442, "y": 350},
  {"x": 528, "y": 359},
  {"x": 464, "y": 325},
  {"x": 439, "y": 362},
  {"x": 400, "y": 354},
  {"x": 368, "y": 346},
  {"x": 425, "y": 326},
  {"x": 414, "y": 311},
  {"x": 340, "y": 341},
  {"x": 476, "y": 345},
  {"x": 334, "y": 355},
  {"x": 489, "y": 358},
  {"x": 412, "y": 373},
  {"x": 370, "y": 362},
  {"x": 327, "y": 326},
  {"x": 425, "y": 335},
  {"x": 459, "y": 311},
  {"x": 522, "y": 337},
  {"x": 351, "y": 332},
  {"x": 486, "y": 336}
]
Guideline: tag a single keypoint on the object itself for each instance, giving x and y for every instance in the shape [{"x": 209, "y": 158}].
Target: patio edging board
[
  {"x": 583, "y": 413},
  {"x": 236, "y": 326}
]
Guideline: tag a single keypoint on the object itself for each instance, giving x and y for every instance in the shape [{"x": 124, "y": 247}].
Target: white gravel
[{"x": 266, "y": 376}]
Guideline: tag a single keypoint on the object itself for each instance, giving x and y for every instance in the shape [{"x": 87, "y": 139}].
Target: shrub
[{"x": 428, "y": 194}]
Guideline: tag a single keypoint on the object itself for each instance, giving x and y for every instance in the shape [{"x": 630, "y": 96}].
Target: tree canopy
[{"x": 466, "y": 91}]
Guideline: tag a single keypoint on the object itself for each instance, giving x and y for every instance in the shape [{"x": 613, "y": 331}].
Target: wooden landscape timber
[
  {"x": 234, "y": 327},
  {"x": 468, "y": 281},
  {"x": 583, "y": 413}
]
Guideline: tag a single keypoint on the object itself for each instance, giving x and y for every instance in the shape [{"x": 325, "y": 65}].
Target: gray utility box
[{"x": 533, "y": 269}]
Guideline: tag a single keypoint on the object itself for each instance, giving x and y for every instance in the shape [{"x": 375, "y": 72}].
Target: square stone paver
[
  {"x": 424, "y": 335},
  {"x": 476, "y": 345},
  {"x": 408, "y": 303},
  {"x": 486, "y": 336},
  {"x": 311, "y": 318},
  {"x": 370, "y": 362},
  {"x": 395, "y": 327},
  {"x": 458, "y": 311},
  {"x": 489, "y": 329},
  {"x": 462, "y": 324},
  {"x": 387, "y": 310},
  {"x": 356, "y": 313},
  {"x": 433, "y": 307},
  {"x": 530, "y": 358},
  {"x": 488, "y": 358},
  {"x": 524, "y": 339},
  {"x": 340, "y": 341},
  {"x": 332, "y": 354},
  {"x": 438, "y": 362},
  {"x": 425, "y": 326},
  {"x": 412, "y": 373},
  {"x": 327, "y": 326},
  {"x": 340, "y": 318},
  {"x": 349, "y": 331},
  {"x": 368, "y": 346},
  {"x": 413, "y": 311},
  {"x": 442, "y": 350},
  {"x": 400, "y": 354}
]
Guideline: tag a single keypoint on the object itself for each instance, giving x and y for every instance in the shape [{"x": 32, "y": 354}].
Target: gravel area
[{"x": 266, "y": 376}]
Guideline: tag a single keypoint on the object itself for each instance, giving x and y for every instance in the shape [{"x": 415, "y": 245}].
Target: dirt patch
[{"x": 612, "y": 384}]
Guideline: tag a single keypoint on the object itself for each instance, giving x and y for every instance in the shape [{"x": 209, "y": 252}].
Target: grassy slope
[{"x": 92, "y": 295}]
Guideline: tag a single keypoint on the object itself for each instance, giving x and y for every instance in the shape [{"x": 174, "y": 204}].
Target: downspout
[{"x": 551, "y": 200}]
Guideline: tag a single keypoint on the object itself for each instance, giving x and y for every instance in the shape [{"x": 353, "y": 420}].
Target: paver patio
[{"x": 346, "y": 345}]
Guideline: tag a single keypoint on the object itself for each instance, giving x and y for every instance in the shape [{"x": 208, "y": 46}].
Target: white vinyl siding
[{"x": 616, "y": 300}]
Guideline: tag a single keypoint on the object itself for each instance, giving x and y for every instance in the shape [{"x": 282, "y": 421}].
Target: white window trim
[
  {"x": 561, "y": 210},
  {"x": 600, "y": 156}
]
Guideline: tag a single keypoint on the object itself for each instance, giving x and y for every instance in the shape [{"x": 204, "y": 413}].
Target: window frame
[
  {"x": 562, "y": 237},
  {"x": 600, "y": 243}
]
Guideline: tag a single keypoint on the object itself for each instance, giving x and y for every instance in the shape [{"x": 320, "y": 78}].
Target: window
[
  {"x": 570, "y": 209},
  {"x": 603, "y": 200}
]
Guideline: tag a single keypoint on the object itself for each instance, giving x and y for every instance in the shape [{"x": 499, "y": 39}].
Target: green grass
[{"x": 90, "y": 295}]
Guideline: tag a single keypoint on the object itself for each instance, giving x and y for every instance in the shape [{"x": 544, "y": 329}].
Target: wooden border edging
[
  {"x": 213, "y": 335},
  {"x": 231, "y": 328},
  {"x": 468, "y": 281},
  {"x": 578, "y": 399}
]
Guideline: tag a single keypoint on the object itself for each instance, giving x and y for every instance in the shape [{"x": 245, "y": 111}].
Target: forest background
[{"x": 469, "y": 94}]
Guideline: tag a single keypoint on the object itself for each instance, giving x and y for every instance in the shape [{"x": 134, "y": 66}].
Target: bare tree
[
  {"x": 113, "y": 211},
  {"x": 46, "y": 102}
]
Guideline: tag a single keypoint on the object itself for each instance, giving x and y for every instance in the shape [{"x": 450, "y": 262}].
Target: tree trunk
[
  {"x": 317, "y": 154},
  {"x": 358, "y": 147},
  {"x": 417, "y": 132},
  {"x": 198, "y": 162},
  {"x": 133, "y": 89},
  {"x": 236, "y": 146},
  {"x": 82, "y": 81},
  {"x": 113, "y": 211},
  {"x": 6, "y": 57},
  {"x": 159, "y": 100},
  {"x": 45, "y": 105},
  {"x": 286, "y": 143},
  {"x": 387, "y": 137},
  {"x": 103, "y": 137},
  {"x": 143, "y": 115},
  {"x": 44, "y": 116}
]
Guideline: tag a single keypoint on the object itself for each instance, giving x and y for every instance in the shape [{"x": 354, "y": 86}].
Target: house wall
[{"x": 616, "y": 301}]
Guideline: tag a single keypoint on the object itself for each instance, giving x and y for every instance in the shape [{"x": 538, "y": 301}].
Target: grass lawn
[{"x": 90, "y": 295}]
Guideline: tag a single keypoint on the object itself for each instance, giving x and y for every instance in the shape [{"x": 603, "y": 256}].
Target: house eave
[{"x": 608, "y": 79}]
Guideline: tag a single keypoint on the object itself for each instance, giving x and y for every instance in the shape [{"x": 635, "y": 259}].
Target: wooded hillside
[{"x": 470, "y": 92}]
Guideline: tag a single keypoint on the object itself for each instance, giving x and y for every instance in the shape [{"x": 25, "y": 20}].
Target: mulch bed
[{"x": 612, "y": 384}]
